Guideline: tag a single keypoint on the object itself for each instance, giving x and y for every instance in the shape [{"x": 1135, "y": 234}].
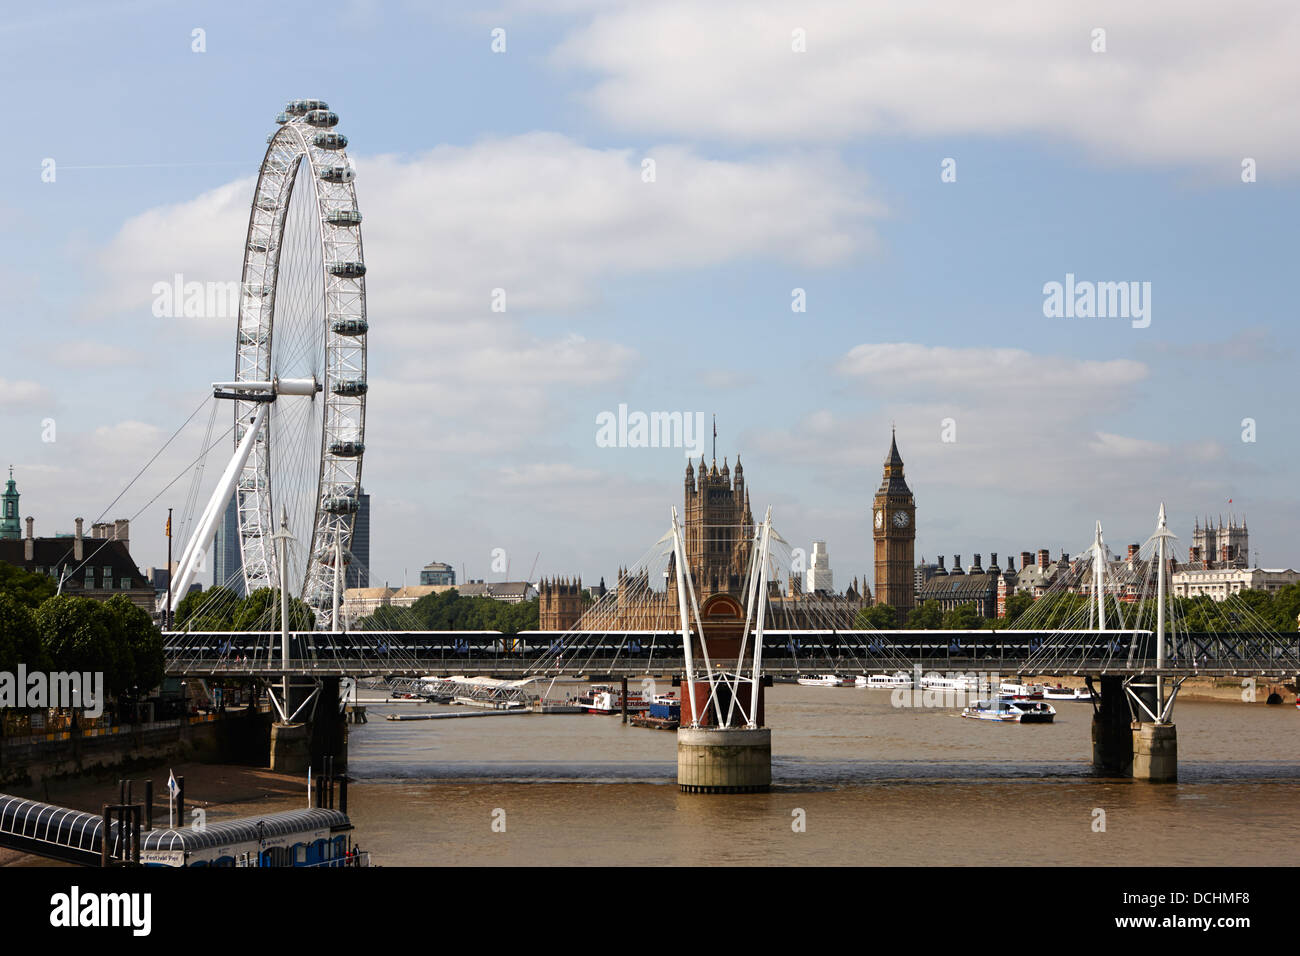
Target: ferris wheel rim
[{"x": 304, "y": 151}]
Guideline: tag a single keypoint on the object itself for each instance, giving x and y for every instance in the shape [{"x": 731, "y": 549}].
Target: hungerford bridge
[{"x": 724, "y": 652}]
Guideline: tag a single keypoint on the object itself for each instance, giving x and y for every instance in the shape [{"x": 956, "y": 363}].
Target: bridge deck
[{"x": 785, "y": 653}]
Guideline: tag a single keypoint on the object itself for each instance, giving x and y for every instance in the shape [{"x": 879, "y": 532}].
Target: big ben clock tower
[{"x": 894, "y": 523}]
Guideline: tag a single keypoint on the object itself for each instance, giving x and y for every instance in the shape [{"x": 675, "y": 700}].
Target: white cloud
[
  {"x": 16, "y": 393},
  {"x": 201, "y": 239},
  {"x": 999, "y": 373},
  {"x": 1181, "y": 83},
  {"x": 1125, "y": 447},
  {"x": 86, "y": 354},
  {"x": 545, "y": 218},
  {"x": 554, "y": 475},
  {"x": 539, "y": 215}
]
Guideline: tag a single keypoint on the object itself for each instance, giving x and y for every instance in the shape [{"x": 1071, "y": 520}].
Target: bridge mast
[
  {"x": 282, "y": 539},
  {"x": 1099, "y": 578},
  {"x": 680, "y": 561},
  {"x": 1162, "y": 534},
  {"x": 756, "y": 674}
]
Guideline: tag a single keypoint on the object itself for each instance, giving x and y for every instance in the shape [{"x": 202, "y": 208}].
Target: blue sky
[{"x": 775, "y": 170}]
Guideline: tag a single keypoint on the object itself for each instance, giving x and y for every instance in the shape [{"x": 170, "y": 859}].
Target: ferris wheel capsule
[
  {"x": 344, "y": 217},
  {"x": 347, "y": 270},
  {"x": 302, "y": 107},
  {"x": 349, "y": 326},
  {"x": 351, "y": 387},
  {"x": 338, "y": 174},
  {"x": 330, "y": 141}
]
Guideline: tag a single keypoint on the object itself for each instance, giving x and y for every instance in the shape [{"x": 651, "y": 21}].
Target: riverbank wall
[{"x": 241, "y": 737}]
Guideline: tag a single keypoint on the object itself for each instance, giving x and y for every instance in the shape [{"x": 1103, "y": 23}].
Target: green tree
[
  {"x": 20, "y": 639},
  {"x": 141, "y": 642},
  {"x": 260, "y": 611},
  {"x": 26, "y": 587},
  {"x": 383, "y": 619},
  {"x": 963, "y": 617},
  {"x": 880, "y": 617},
  {"x": 1017, "y": 604},
  {"x": 927, "y": 617},
  {"x": 1263, "y": 607},
  {"x": 210, "y": 610},
  {"x": 76, "y": 636},
  {"x": 1287, "y": 602}
]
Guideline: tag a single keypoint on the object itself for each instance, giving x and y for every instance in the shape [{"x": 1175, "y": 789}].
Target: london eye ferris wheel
[{"x": 299, "y": 391}]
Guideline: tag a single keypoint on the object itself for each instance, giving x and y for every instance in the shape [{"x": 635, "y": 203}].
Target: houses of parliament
[{"x": 718, "y": 538}]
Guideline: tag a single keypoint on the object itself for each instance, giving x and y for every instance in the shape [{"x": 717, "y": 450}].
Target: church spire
[{"x": 10, "y": 523}]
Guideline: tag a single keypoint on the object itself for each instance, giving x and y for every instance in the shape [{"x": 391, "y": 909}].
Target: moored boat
[
  {"x": 1066, "y": 693},
  {"x": 826, "y": 680},
  {"x": 664, "y": 713},
  {"x": 1021, "y": 691},
  {"x": 890, "y": 681},
  {"x": 966, "y": 683},
  {"x": 606, "y": 699}
]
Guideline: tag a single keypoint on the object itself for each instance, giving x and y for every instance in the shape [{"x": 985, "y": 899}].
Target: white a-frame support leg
[{"x": 188, "y": 565}]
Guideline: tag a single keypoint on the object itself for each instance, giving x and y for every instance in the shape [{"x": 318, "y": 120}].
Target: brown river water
[{"x": 871, "y": 783}]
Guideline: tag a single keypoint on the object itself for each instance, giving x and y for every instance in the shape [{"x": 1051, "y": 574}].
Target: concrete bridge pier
[
  {"x": 1155, "y": 751},
  {"x": 1143, "y": 749},
  {"x": 724, "y": 760},
  {"x": 316, "y": 732},
  {"x": 329, "y": 737},
  {"x": 1112, "y": 729},
  {"x": 290, "y": 747},
  {"x": 1155, "y": 742}
]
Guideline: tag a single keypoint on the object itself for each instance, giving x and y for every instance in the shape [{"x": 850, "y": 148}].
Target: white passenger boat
[
  {"x": 1021, "y": 691},
  {"x": 607, "y": 699},
  {"x": 826, "y": 680},
  {"x": 1066, "y": 693},
  {"x": 890, "y": 681},
  {"x": 1011, "y": 711},
  {"x": 962, "y": 682}
]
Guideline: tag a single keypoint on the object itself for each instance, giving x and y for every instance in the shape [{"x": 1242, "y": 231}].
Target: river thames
[{"x": 871, "y": 784}]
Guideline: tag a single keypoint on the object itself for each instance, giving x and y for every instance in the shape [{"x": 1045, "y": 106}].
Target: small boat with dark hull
[{"x": 1009, "y": 710}]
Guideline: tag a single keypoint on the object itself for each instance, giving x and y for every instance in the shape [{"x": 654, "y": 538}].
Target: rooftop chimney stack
[
  {"x": 956, "y": 564},
  {"x": 975, "y": 568},
  {"x": 29, "y": 545},
  {"x": 1043, "y": 558},
  {"x": 993, "y": 563},
  {"x": 78, "y": 548},
  {"x": 1132, "y": 553}
]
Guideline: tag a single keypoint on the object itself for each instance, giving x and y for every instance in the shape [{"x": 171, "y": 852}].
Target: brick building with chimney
[{"x": 98, "y": 567}]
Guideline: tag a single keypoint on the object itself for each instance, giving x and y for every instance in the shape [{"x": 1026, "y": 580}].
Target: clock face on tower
[
  {"x": 900, "y": 519},
  {"x": 880, "y": 519}
]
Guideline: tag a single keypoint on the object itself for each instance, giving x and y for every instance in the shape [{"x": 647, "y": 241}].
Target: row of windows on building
[{"x": 105, "y": 578}]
